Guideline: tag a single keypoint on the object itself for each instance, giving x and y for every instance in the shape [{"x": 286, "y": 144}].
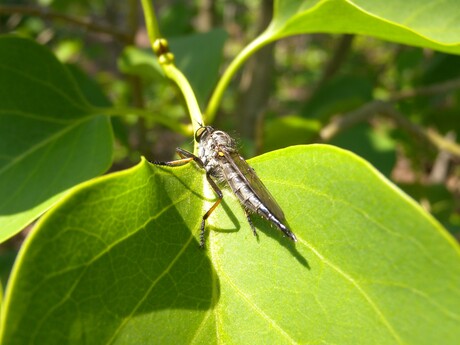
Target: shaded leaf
[
  {"x": 199, "y": 56},
  {"x": 88, "y": 87},
  {"x": 123, "y": 258},
  {"x": 140, "y": 62},
  {"x": 118, "y": 260},
  {"x": 51, "y": 138},
  {"x": 94, "y": 94}
]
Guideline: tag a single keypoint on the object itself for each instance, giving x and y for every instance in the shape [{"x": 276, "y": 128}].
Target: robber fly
[{"x": 217, "y": 154}]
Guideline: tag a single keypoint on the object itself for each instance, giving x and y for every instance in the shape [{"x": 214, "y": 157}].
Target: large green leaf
[
  {"x": 118, "y": 261},
  {"x": 420, "y": 23},
  {"x": 50, "y": 137}
]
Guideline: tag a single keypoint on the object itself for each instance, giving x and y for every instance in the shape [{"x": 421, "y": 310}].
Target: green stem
[
  {"x": 239, "y": 60},
  {"x": 192, "y": 104},
  {"x": 151, "y": 21},
  {"x": 166, "y": 59}
]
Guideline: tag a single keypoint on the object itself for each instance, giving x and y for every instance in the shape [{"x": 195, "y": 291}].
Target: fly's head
[
  {"x": 213, "y": 139},
  {"x": 213, "y": 145}
]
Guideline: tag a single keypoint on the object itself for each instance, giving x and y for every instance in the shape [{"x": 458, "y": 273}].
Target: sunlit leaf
[{"x": 419, "y": 23}]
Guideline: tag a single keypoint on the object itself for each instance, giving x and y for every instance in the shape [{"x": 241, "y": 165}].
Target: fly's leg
[
  {"x": 251, "y": 224},
  {"x": 211, "y": 210},
  {"x": 187, "y": 157}
]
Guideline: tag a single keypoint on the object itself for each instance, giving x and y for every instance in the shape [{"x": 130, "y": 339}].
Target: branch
[
  {"x": 374, "y": 108},
  {"x": 431, "y": 90},
  {"x": 85, "y": 23},
  {"x": 342, "y": 122},
  {"x": 386, "y": 108}
]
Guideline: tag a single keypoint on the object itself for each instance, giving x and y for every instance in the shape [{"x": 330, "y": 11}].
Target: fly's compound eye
[
  {"x": 203, "y": 131},
  {"x": 199, "y": 133}
]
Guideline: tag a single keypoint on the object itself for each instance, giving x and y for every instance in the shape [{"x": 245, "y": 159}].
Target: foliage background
[{"x": 303, "y": 89}]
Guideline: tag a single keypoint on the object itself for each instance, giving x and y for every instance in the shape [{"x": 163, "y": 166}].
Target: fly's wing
[{"x": 253, "y": 181}]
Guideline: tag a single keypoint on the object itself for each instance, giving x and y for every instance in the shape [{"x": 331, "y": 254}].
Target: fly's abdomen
[
  {"x": 245, "y": 194},
  {"x": 251, "y": 200},
  {"x": 240, "y": 187}
]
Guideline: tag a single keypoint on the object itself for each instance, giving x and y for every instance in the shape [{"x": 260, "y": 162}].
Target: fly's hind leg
[
  {"x": 251, "y": 224},
  {"x": 211, "y": 210},
  {"x": 187, "y": 157}
]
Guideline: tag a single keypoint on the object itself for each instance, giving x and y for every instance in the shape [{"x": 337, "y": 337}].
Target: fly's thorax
[
  {"x": 210, "y": 150},
  {"x": 222, "y": 140}
]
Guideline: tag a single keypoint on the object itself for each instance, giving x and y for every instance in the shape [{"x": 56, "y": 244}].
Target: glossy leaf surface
[{"x": 413, "y": 22}]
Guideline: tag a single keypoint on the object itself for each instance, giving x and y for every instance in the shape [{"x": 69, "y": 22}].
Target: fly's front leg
[{"x": 185, "y": 156}]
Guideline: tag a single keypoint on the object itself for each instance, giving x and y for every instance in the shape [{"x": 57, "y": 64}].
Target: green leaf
[
  {"x": 424, "y": 24},
  {"x": 88, "y": 87},
  {"x": 118, "y": 261},
  {"x": 51, "y": 138},
  {"x": 441, "y": 203},
  {"x": 140, "y": 62}
]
